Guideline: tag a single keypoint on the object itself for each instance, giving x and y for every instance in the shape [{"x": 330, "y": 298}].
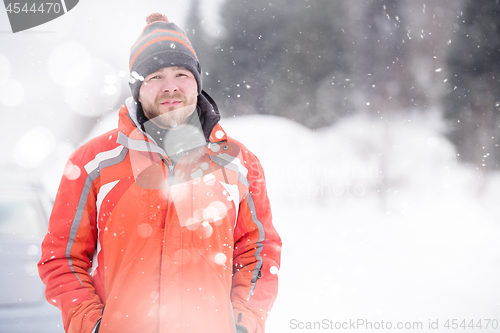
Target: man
[{"x": 163, "y": 224}]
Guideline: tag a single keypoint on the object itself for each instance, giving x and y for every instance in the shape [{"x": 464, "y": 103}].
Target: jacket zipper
[
  {"x": 171, "y": 167},
  {"x": 170, "y": 178}
]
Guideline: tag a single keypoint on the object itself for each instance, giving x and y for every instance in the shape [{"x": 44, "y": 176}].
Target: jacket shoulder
[
  {"x": 238, "y": 149},
  {"x": 99, "y": 144}
]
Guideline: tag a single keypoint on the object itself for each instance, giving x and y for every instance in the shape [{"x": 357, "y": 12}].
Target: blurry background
[{"x": 377, "y": 123}]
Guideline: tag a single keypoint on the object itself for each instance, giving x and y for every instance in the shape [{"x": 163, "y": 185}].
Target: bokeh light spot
[
  {"x": 93, "y": 95},
  {"x": 72, "y": 171},
  {"x": 68, "y": 64},
  {"x": 33, "y": 147},
  {"x": 220, "y": 258}
]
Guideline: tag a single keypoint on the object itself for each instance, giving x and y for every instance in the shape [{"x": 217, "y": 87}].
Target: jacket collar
[{"x": 132, "y": 136}]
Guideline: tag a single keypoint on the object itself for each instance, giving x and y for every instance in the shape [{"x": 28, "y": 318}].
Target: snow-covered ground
[
  {"x": 427, "y": 250},
  {"x": 380, "y": 224}
]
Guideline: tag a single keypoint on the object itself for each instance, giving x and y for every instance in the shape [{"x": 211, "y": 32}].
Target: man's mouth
[{"x": 171, "y": 102}]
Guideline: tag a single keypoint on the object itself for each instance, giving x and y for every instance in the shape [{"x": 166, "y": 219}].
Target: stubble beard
[{"x": 169, "y": 117}]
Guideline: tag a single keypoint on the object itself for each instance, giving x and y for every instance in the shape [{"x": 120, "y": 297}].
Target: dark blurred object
[
  {"x": 472, "y": 105},
  {"x": 24, "y": 209}
]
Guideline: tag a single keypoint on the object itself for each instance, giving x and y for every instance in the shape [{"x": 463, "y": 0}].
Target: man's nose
[{"x": 169, "y": 85}]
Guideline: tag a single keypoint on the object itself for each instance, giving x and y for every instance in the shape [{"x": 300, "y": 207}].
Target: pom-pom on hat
[{"x": 161, "y": 44}]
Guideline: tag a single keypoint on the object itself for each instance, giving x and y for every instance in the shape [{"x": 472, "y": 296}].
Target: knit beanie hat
[{"x": 161, "y": 44}]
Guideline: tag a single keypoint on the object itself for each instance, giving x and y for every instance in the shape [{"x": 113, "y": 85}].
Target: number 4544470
[
  {"x": 48, "y": 7},
  {"x": 474, "y": 324}
]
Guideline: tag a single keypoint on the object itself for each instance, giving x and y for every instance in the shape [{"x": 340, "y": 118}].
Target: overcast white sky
[{"x": 35, "y": 63}]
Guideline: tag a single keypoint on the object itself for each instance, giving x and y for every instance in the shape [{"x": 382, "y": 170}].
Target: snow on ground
[{"x": 428, "y": 250}]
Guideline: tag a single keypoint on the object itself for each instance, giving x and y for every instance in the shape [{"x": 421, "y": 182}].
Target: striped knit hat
[{"x": 161, "y": 44}]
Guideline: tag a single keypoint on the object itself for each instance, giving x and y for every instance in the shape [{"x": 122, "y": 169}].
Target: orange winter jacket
[{"x": 144, "y": 246}]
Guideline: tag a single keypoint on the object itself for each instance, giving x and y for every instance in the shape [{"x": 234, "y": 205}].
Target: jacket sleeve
[
  {"x": 68, "y": 248},
  {"x": 256, "y": 257}
]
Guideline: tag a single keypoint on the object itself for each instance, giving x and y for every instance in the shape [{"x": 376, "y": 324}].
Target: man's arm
[
  {"x": 256, "y": 256},
  {"x": 68, "y": 248}
]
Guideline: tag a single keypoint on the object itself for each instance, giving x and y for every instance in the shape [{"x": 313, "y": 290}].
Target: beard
[{"x": 169, "y": 117}]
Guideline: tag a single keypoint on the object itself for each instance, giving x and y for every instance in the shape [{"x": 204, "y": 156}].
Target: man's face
[{"x": 169, "y": 96}]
